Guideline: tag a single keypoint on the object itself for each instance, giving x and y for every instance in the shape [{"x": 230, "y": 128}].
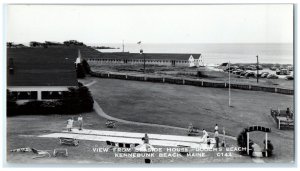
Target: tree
[
  {"x": 86, "y": 66},
  {"x": 80, "y": 71}
]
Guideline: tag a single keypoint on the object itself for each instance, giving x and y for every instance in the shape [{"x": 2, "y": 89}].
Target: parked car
[
  {"x": 289, "y": 77},
  {"x": 250, "y": 74},
  {"x": 290, "y": 68},
  {"x": 272, "y": 76},
  {"x": 264, "y": 74},
  {"x": 282, "y": 72},
  {"x": 237, "y": 72},
  {"x": 243, "y": 73},
  {"x": 242, "y": 67},
  {"x": 273, "y": 68}
]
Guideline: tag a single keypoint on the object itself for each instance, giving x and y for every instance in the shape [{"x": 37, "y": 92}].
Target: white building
[
  {"x": 191, "y": 61},
  {"x": 163, "y": 59}
]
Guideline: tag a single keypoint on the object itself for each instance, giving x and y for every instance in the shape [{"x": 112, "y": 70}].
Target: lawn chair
[
  {"x": 68, "y": 141},
  {"x": 41, "y": 153},
  {"x": 193, "y": 131}
]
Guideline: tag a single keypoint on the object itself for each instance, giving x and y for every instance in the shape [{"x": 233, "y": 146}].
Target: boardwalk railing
[{"x": 193, "y": 82}]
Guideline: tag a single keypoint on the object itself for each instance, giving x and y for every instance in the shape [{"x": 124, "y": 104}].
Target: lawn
[
  {"x": 179, "y": 105},
  {"x": 167, "y": 104}
]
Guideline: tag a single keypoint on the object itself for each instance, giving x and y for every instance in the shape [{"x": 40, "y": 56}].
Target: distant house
[
  {"x": 191, "y": 61},
  {"x": 165, "y": 59},
  {"x": 200, "y": 61},
  {"x": 41, "y": 74}
]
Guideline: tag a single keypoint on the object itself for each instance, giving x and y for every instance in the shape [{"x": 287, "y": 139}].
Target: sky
[{"x": 151, "y": 23}]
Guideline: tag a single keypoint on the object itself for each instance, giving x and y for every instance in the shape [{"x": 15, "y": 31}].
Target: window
[
  {"x": 52, "y": 95},
  {"x": 25, "y": 95}
]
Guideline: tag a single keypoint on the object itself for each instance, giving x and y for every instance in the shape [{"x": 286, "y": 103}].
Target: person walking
[
  {"x": 80, "y": 122},
  {"x": 216, "y": 135},
  {"x": 204, "y": 137}
]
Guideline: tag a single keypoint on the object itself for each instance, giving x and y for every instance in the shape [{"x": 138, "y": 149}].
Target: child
[{"x": 70, "y": 124}]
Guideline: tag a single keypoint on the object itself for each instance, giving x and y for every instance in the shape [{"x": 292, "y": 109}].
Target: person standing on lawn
[
  {"x": 80, "y": 122},
  {"x": 204, "y": 137},
  {"x": 216, "y": 127},
  {"x": 70, "y": 124},
  {"x": 217, "y": 138}
]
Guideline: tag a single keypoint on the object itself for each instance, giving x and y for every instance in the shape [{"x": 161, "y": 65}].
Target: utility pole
[
  {"x": 257, "y": 68},
  {"x": 123, "y": 46},
  {"x": 229, "y": 94},
  {"x": 144, "y": 62},
  {"x": 142, "y": 53}
]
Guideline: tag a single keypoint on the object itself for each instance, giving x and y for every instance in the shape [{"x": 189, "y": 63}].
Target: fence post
[
  {"x": 183, "y": 81},
  {"x": 126, "y": 77},
  {"x": 145, "y": 78},
  {"x": 225, "y": 84},
  {"x": 275, "y": 89},
  {"x": 163, "y": 79},
  {"x": 249, "y": 87},
  {"x": 202, "y": 83},
  {"x": 107, "y": 75}
]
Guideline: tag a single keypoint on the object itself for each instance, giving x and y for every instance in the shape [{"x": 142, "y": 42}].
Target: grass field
[
  {"x": 166, "y": 104},
  {"x": 178, "y": 105}
]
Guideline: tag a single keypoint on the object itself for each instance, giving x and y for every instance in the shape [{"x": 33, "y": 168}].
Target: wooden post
[
  {"x": 257, "y": 67},
  {"x": 279, "y": 124},
  {"x": 266, "y": 144},
  {"x": 39, "y": 95},
  {"x": 248, "y": 143},
  {"x": 229, "y": 93}
]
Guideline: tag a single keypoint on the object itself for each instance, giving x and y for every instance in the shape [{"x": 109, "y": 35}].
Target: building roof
[
  {"x": 160, "y": 56},
  {"x": 41, "y": 66}
]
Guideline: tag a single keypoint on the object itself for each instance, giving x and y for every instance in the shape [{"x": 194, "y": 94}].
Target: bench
[
  {"x": 68, "y": 141},
  {"x": 60, "y": 151}
]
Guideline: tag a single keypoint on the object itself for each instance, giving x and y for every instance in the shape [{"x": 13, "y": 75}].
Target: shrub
[
  {"x": 80, "y": 71},
  {"x": 86, "y": 66},
  {"x": 242, "y": 140}
]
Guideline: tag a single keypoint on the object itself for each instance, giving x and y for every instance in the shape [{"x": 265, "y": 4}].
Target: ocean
[{"x": 275, "y": 53}]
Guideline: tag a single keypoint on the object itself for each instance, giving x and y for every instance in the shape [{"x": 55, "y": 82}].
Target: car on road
[{"x": 272, "y": 76}]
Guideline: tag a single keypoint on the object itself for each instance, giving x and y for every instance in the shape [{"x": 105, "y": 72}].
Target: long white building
[{"x": 188, "y": 60}]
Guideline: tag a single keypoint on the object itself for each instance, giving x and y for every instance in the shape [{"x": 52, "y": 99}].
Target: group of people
[
  {"x": 216, "y": 136},
  {"x": 70, "y": 123}
]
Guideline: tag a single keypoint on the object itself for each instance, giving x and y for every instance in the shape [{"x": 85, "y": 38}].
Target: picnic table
[{"x": 282, "y": 119}]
